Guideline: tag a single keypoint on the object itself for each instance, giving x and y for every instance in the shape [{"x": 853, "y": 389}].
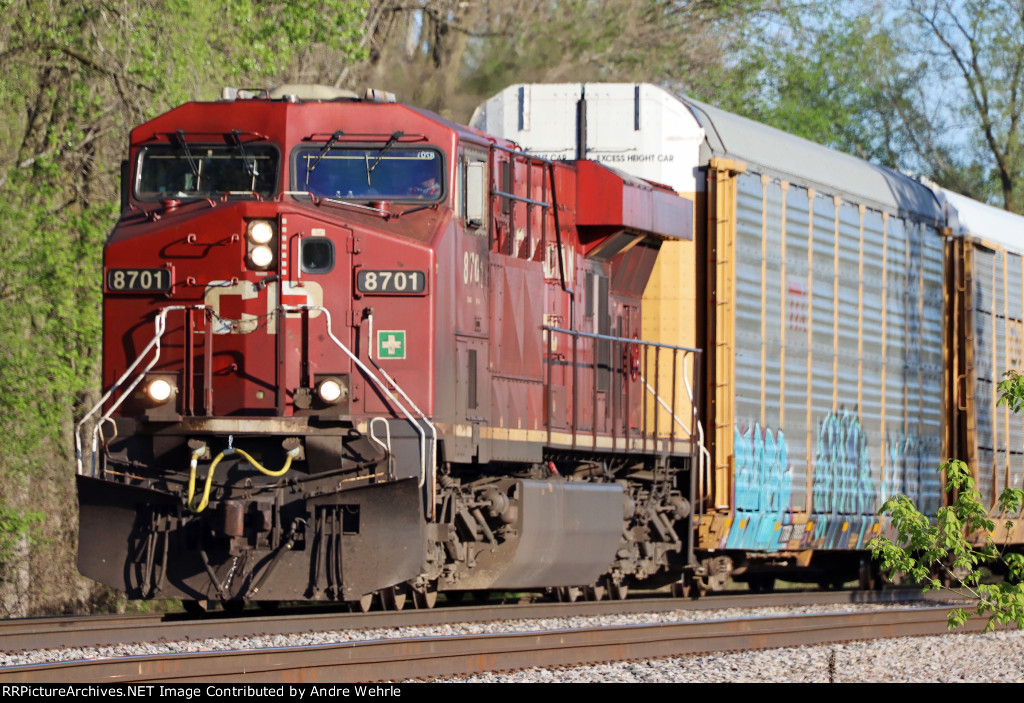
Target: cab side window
[{"x": 473, "y": 188}]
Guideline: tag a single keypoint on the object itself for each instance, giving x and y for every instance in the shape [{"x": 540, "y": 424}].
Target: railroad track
[
  {"x": 423, "y": 657},
  {"x": 102, "y": 630},
  {"x": 382, "y": 659}
]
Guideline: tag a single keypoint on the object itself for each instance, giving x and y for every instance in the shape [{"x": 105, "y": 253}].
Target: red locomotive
[{"x": 354, "y": 350}]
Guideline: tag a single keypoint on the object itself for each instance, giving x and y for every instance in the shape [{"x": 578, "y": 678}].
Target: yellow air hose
[{"x": 193, "y": 465}]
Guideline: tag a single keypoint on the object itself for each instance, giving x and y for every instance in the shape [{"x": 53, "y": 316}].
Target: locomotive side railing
[
  {"x": 428, "y": 457},
  {"x": 160, "y": 327},
  {"x": 634, "y": 360}
]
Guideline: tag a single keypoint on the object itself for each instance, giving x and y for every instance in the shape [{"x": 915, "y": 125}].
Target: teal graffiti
[
  {"x": 763, "y": 487},
  {"x": 907, "y": 471},
  {"x": 843, "y": 484},
  {"x": 846, "y": 494},
  {"x": 843, "y": 487}
]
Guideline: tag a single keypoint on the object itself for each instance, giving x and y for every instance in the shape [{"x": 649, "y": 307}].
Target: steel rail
[
  {"x": 398, "y": 659},
  {"x": 103, "y": 630}
]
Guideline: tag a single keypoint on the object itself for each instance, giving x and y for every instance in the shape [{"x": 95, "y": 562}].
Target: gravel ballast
[
  {"x": 996, "y": 656},
  {"x": 956, "y": 657}
]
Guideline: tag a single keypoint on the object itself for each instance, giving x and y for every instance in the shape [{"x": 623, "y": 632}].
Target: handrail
[
  {"x": 387, "y": 391},
  {"x": 519, "y": 198},
  {"x": 663, "y": 404},
  {"x": 160, "y": 325},
  {"x": 658, "y": 346},
  {"x": 628, "y": 340},
  {"x": 433, "y": 430}
]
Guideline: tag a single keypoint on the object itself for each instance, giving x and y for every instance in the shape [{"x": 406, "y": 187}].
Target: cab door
[{"x": 472, "y": 318}]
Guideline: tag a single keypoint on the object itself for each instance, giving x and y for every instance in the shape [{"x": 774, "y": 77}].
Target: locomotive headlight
[
  {"x": 331, "y": 391},
  {"x": 261, "y": 256},
  {"x": 261, "y": 232},
  {"x": 159, "y": 390}
]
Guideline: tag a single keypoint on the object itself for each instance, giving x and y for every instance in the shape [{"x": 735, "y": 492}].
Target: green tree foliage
[
  {"x": 949, "y": 551},
  {"x": 821, "y": 80},
  {"x": 976, "y": 47},
  {"x": 448, "y": 55},
  {"x": 77, "y": 77},
  {"x": 933, "y": 87}
]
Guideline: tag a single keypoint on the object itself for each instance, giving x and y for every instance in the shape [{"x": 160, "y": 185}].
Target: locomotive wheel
[
  {"x": 595, "y": 592},
  {"x": 567, "y": 594},
  {"x": 364, "y": 604},
  {"x": 393, "y": 598},
  {"x": 617, "y": 591},
  {"x": 689, "y": 586},
  {"x": 425, "y": 597},
  {"x": 233, "y": 607},
  {"x": 196, "y": 608},
  {"x": 761, "y": 584}
]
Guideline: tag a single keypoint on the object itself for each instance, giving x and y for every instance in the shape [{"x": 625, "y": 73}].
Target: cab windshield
[
  {"x": 370, "y": 174},
  {"x": 200, "y": 171}
]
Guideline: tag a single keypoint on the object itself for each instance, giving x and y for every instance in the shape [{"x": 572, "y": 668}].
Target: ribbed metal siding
[
  {"x": 985, "y": 379},
  {"x": 872, "y": 343},
  {"x": 812, "y": 367},
  {"x": 932, "y": 367},
  {"x": 1014, "y": 354},
  {"x": 997, "y": 329}
]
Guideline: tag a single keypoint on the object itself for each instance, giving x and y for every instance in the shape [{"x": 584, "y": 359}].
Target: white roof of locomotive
[
  {"x": 992, "y": 225},
  {"x": 653, "y": 134}
]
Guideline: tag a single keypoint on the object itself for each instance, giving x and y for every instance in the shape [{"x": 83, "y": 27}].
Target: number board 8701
[
  {"x": 138, "y": 280},
  {"x": 377, "y": 282}
]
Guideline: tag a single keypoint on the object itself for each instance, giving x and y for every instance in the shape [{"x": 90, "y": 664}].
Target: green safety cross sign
[{"x": 391, "y": 344}]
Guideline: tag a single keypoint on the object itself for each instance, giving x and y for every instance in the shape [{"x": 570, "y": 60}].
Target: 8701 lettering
[
  {"x": 138, "y": 280},
  {"x": 391, "y": 282}
]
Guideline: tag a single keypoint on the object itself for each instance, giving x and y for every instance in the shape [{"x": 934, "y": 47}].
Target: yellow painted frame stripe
[
  {"x": 885, "y": 335},
  {"x": 906, "y": 328},
  {"x": 837, "y": 202},
  {"x": 861, "y": 209},
  {"x": 764, "y": 293},
  {"x": 783, "y": 310},
  {"x": 995, "y": 393},
  {"x": 999, "y": 372},
  {"x": 810, "y": 348},
  {"x": 722, "y": 175}
]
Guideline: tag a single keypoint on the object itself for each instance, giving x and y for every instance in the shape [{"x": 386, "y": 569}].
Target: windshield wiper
[
  {"x": 188, "y": 155},
  {"x": 391, "y": 142},
  {"x": 250, "y": 168},
  {"x": 310, "y": 165}
]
